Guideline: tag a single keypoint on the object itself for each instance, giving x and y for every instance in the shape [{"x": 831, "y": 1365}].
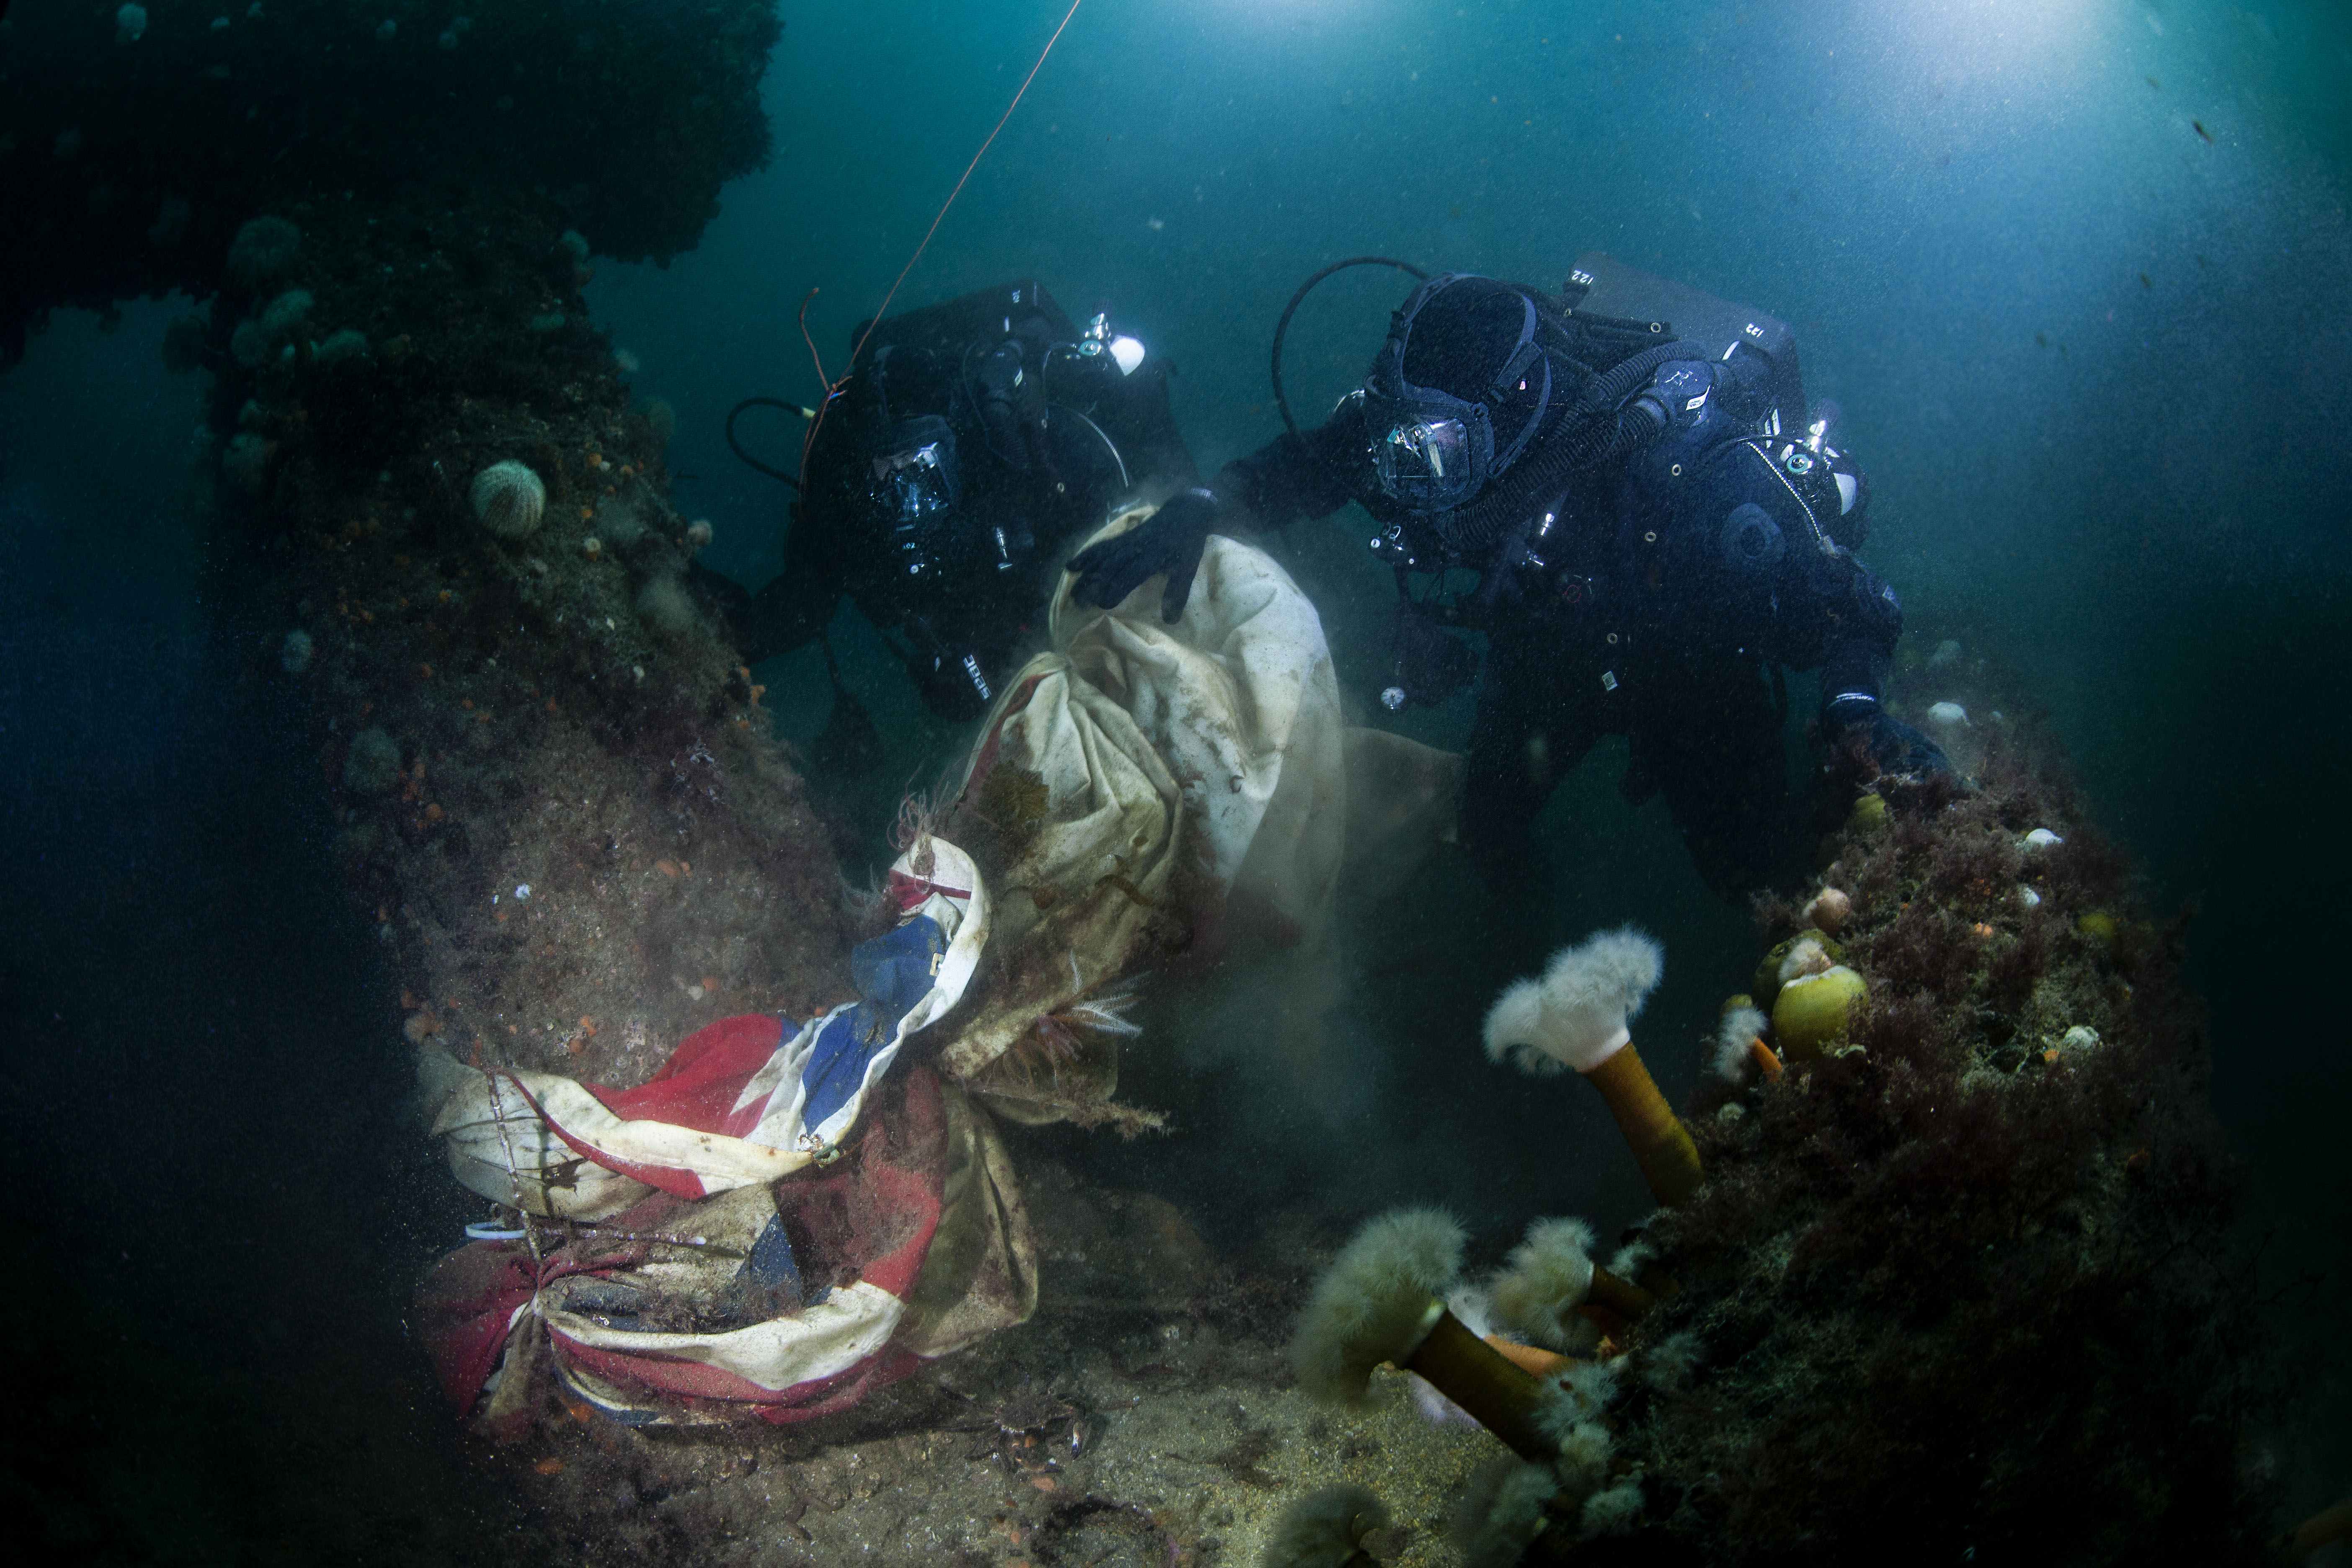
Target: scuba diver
[
  {"x": 975, "y": 438},
  {"x": 1660, "y": 527}
]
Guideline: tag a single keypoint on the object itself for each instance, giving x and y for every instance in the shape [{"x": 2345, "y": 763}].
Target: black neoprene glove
[
  {"x": 1171, "y": 540},
  {"x": 1895, "y": 746}
]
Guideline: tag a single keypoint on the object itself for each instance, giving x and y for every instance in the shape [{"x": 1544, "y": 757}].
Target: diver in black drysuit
[
  {"x": 974, "y": 439},
  {"x": 1657, "y": 535}
]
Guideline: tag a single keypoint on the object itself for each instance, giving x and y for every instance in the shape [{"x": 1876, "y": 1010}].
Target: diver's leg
[
  {"x": 1530, "y": 730},
  {"x": 1714, "y": 749}
]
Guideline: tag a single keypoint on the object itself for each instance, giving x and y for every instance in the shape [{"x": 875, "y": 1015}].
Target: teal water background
[{"x": 2093, "y": 355}]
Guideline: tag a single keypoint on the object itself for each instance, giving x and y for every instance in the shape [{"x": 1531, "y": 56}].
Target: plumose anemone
[
  {"x": 1504, "y": 1508},
  {"x": 664, "y": 605},
  {"x": 264, "y": 249},
  {"x": 372, "y": 764},
  {"x": 1739, "y": 1042},
  {"x": 1576, "y": 1017},
  {"x": 1550, "y": 1277},
  {"x": 1382, "y": 1303},
  {"x": 1326, "y": 1529},
  {"x": 1828, "y": 910}
]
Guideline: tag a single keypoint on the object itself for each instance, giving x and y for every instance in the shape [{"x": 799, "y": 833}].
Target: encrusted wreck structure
[
  {"x": 1948, "y": 1270},
  {"x": 434, "y": 500},
  {"x": 1966, "y": 1280}
]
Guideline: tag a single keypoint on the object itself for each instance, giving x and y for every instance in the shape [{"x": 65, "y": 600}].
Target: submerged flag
[
  {"x": 738, "y": 1103},
  {"x": 689, "y": 1280}
]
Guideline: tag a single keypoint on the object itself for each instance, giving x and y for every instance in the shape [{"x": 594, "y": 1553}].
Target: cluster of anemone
[
  {"x": 1868, "y": 1163},
  {"x": 1542, "y": 1385}
]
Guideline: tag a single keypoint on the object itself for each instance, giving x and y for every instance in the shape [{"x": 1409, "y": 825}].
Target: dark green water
[{"x": 2078, "y": 273}]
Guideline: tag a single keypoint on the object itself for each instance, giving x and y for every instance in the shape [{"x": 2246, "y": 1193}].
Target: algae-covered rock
[{"x": 372, "y": 764}]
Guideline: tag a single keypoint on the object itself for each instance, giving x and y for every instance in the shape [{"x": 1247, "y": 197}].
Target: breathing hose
[
  {"x": 1595, "y": 432},
  {"x": 1282, "y": 327},
  {"x": 737, "y": 447}
]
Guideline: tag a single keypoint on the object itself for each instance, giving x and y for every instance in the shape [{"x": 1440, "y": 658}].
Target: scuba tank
[{"x": 1602, "y": 295}]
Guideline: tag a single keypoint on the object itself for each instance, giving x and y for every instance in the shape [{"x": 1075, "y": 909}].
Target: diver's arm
[
  {"x": 1311, "y": 473},
  {"x": 791, "y": 609},
  {"x": 1290, "y": 478},
  {"x": 786, "y": 614},
  {"x": 1864, "y": 619}
]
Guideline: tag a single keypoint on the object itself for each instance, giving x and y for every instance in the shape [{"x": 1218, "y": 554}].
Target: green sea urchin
[{"x": 509, "y": 499}]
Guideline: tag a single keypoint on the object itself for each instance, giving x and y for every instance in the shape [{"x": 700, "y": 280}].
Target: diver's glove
[
  {"x": 1170, "y": 541},
  {"x": 1894, "y": 746}
]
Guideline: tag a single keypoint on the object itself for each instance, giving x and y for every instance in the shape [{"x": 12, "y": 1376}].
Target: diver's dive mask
[
  {"x": 1426, "y": 461},
  {"x": 1433, "y": 451},
  {"x": 913, "y": 476}
]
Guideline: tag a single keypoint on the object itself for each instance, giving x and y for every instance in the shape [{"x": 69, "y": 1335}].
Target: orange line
[{"x": 822, "y": 379}]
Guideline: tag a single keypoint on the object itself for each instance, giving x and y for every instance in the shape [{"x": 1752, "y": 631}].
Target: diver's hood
[{"x": 1464, "y": 350}]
